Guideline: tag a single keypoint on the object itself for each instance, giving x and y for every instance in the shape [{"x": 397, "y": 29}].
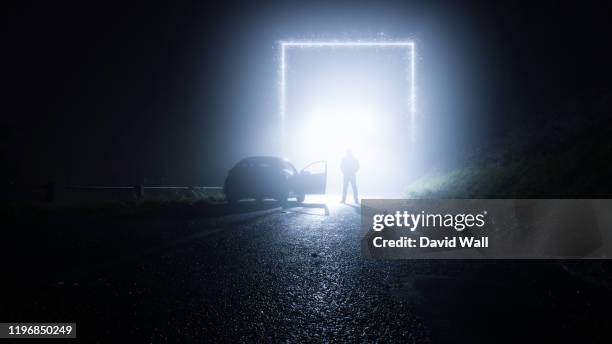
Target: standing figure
[{"x": 349, "y": 167}]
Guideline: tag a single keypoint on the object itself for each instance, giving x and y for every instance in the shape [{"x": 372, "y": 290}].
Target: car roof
[{"x": 265, "y": 159}]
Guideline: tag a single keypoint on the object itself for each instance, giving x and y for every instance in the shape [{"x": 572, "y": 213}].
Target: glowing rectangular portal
[{"x": 409, "y": 45}]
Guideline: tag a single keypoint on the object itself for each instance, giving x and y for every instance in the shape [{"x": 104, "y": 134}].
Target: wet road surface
[{"x": 292, "y": 275}]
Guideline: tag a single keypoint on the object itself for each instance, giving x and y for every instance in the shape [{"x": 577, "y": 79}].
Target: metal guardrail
[
  {"x": 80, "y": 187},
  {"x": 139, "y": 190}
]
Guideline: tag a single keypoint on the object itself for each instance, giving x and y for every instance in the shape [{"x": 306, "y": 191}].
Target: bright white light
[
  {"x": 345, "y": 44},
  {"x": 284, "y": 45},
  {"x": 323, "y": 137}
]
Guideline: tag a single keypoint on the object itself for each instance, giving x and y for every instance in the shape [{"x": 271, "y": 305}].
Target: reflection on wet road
[
  {"x": 291, "y": 275},
  {"x": 296, "y": 274}
]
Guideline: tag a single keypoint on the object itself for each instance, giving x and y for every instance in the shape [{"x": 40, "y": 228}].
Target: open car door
[{"x": 313, "y": 178}]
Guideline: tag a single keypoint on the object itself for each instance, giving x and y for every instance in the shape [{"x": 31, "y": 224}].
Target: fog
[
  {"x": 182, "y": 94},
  {"x": 357, "y": 98}
]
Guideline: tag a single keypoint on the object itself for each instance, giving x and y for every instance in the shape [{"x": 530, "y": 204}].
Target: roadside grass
[
  {"x": 564, "y": 158},
  {"x": 568, "y": 157}
]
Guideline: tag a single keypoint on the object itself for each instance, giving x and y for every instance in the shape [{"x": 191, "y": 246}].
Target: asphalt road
[{"x": 288, "y": 275}]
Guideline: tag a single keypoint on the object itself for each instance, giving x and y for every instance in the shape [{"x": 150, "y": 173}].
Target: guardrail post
[{"x": 139, "y": 191}]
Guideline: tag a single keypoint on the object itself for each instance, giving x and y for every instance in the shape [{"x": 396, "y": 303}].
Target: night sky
[{"x": 175, "y": 93}]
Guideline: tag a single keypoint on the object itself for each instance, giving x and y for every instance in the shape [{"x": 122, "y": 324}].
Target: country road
[{"x": 281, "y": 275}]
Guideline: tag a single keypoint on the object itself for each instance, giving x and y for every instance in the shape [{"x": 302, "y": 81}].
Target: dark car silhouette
[{"x": 263, "y": 177}]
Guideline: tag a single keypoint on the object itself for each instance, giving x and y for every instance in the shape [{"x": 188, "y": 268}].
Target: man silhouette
[{"x": 349, "y": 167}]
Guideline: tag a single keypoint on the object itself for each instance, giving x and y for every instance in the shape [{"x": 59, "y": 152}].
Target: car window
[
  {"x": 245, "y": 164},
  {"x": 269, "y": 164}
]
